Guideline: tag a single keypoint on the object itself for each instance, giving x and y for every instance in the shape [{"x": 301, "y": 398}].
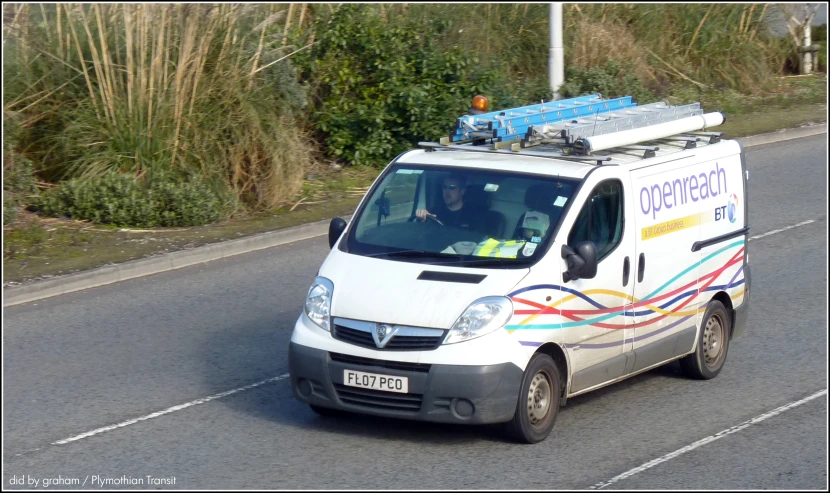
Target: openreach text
[{"x": 677, "y": 192}]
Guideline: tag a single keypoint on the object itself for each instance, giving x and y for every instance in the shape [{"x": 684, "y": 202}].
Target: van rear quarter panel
[
  {"x": 727, "y": 214},
  {"x": 693, "y": 199}
]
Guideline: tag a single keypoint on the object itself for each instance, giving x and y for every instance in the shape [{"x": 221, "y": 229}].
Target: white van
[{"x": 593, "y": 240}]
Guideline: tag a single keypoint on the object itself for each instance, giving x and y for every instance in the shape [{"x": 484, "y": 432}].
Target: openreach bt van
[{"x": 534, "y": 254}]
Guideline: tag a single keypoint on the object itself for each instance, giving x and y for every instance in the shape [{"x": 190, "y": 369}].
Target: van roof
[
  {"x": 518, "y": 162},
  {"x": 497, "y": 162}
]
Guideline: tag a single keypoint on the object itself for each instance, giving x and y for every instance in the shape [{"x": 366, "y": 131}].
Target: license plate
[{"x": 374, "y": 381}]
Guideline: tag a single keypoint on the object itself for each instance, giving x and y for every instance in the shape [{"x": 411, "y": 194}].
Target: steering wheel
[
  {"x": 435, "y": 219},
  {"x": 413, "y": 217}
]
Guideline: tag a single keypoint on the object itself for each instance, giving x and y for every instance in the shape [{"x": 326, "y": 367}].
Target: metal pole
[
  {"x": 556, "y": 53},
  {"x": 808, "y": 56}
]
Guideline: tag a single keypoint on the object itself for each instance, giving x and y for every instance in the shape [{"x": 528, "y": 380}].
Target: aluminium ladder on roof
[
  {"x": 574, "y": 128},
  {"x": 514, "y": 123},
  {"x": 617, "y": 121}
]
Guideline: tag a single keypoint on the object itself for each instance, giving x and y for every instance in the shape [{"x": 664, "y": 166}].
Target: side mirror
[
  {"x": 336, "y": 228},
  {"x": 582, "y": 263}
]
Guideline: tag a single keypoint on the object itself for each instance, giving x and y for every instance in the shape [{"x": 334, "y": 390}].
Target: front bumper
[{"x": 438, "y": 393}]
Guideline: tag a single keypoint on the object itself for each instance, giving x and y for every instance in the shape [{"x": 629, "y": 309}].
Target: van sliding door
[{"x": 666, "y": 270}]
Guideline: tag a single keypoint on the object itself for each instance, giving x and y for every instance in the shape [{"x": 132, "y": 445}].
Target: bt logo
[
  {"x": 729, "y": 210},
  {"x": 732, "y": 208}
]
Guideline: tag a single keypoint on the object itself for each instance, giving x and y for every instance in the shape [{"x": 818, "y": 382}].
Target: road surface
[{"x": 178, "y": 381}]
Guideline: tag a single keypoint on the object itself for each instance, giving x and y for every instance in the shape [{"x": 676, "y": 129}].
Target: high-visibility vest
[{"x": 500, "y": 249}]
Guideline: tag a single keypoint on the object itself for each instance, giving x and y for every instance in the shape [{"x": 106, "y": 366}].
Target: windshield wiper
[
  {"x": 456, "y": 259},
  {"x": 496, "y": 262},
  {"x": 418, "y": 254}
]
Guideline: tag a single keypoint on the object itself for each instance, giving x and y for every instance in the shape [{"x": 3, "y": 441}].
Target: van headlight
[
  {"x": 318, "y": 302},
  {"x": 480, "y": 318}
]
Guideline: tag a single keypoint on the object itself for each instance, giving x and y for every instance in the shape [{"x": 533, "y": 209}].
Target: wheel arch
[
  {"x": 560, "y": 357},
  {"x": 726, "y": 301}
]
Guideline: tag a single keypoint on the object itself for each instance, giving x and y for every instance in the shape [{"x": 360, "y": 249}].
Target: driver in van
[{"x": 453, "y": 213}]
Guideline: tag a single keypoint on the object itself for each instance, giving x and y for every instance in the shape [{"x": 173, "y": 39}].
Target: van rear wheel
[
  {"x": 538, "y": 403},
  {"x": 712, "y": 344}
]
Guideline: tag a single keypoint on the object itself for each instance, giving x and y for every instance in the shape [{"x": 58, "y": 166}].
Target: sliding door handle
[
  {"x": 626, "y": 269},
  {"x": 641, "y": 267}
]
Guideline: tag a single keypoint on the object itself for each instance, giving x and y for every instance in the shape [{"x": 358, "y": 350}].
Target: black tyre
[
  {"x": 538, "y": 403},
  {"x": 326, "y": 411},
  {"x": 712, "y": 344}
]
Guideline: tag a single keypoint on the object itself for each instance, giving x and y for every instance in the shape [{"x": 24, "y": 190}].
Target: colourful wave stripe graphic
[{"x": 650, "y": 303}]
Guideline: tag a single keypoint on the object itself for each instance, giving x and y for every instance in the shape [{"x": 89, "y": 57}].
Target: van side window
[{"x": 601, "y": 219}]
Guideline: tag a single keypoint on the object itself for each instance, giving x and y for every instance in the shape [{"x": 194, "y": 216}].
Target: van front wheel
[
  {"x": 538, "y": 403},
  {"x": 712, "y": 344}
]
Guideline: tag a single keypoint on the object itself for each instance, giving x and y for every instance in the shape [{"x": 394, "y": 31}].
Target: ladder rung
[
  {"x": 653, "y": 117},
  {"x": 540, "y": 107},
  {"x": 591, "y": 119}
]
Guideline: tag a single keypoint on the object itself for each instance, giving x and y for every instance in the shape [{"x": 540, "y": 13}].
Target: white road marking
[
  {"x": 168, "y": 410},
  {"x": 782, "y": 229},
  {"x": 709, "y": 439}
]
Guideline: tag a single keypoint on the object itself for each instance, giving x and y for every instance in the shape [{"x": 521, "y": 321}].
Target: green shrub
[
  {"x": 10, "y": 209},
  {"x": 611, "y": 80},
  {"x": 819, "y": 36},
  {"x": 19, "y": 187},
  {"x": 123, "y": 200},
  {"x": 382, "y": 86},
  {"x": 19, "y": 182}
]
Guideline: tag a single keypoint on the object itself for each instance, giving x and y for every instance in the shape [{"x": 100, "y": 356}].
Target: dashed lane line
[
  {"x": 709, "y": 439},
  {"x": 163, "y": 412}
]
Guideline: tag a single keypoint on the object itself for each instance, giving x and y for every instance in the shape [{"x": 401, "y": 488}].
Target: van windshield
[{"x": 460, "y": 216}]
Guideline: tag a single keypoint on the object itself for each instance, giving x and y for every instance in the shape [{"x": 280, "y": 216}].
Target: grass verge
[{"x": 35, "y": 247}]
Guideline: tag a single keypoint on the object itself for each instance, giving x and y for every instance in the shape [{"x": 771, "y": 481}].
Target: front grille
[
  {"x": 352, "y": 336},
  {"x": 442, "y": 403},
  {"x": 397, "y": 343},
  {"x": 413, "y": 343},
  {"x": 392, "y": 365},
  {"x": 376, "y": 399}
]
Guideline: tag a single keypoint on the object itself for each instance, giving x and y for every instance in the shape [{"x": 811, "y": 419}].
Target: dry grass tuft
[
  {"x": 596, "y": 43},
  {"x": 160, "y": 87}
]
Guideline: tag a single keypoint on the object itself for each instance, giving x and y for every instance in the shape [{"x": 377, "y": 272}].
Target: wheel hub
[
  {"x": 712, "y": 341},
  {"x": 539, "y": 398}
]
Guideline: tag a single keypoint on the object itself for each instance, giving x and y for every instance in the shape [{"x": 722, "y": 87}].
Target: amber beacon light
[{"x": 479, "y": 105}]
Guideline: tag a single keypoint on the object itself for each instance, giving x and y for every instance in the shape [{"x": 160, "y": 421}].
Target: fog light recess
[
  {"x": 304, "y": 387},
  {"x": 462, "y": 408}
]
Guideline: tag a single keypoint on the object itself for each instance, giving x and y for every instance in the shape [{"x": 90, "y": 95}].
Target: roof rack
[{"x": 574, "y": 129}]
